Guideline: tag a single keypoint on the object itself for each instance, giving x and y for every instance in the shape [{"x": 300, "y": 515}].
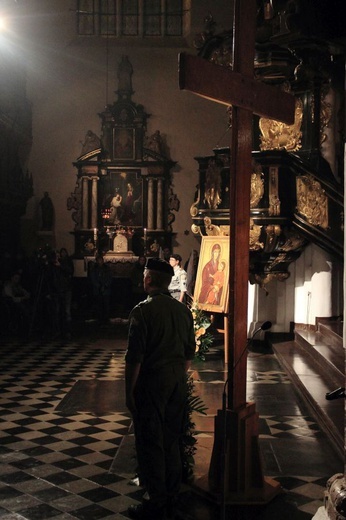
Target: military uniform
[
  {"x": 161, "y": 339},
  {"x": 178, "y": 283}
]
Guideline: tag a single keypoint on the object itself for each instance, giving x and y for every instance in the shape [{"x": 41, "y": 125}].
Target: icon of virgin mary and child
[{"x": 213, "y": 278}]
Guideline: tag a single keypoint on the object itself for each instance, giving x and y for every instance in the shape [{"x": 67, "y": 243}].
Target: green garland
[
  {"x": 204, "y": 339},
  {"x": 188, "y": 440}
]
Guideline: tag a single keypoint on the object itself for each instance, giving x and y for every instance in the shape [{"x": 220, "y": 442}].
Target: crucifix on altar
[{"x": 235, "y": 474}]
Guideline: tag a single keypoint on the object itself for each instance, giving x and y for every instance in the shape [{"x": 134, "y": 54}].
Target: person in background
[
  {"x": 19, "y": 299},
  {"x": 166, "y": 253},
  {"x": 161, "y": 345},
  {"x": 47, "y": 212},
  {"x": 138, "y": 293},
  {"x": 178, "y": 285},
  {"x": 101, "y": 282},
  {"x": 67, "y": 271}
]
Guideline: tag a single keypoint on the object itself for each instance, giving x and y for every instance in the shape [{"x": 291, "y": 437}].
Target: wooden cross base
[{"x": 235, "y": 472}]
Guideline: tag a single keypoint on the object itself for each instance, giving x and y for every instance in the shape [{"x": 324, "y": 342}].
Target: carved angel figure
[
  {"x": 212, "y": 193},
  {"x": 279, "y": 136}
]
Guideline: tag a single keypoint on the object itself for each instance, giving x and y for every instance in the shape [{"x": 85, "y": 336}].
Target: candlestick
[{"x": 145, "y": 241}]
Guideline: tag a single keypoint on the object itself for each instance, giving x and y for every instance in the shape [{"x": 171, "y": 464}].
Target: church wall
[
  {"x": 314, "y": 289},
  {"x": 66, "y": 82},
  {"x": 66, "y": 85},
  {"x": 313, "y": 286}
]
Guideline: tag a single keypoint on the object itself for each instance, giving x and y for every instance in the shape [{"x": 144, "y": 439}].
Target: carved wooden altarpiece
[{"x": 123, "y": 181}]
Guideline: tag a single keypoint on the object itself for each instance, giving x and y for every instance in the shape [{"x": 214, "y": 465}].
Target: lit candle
[
  {"x": 95, "y": 234},
  {"x": 145, "y": 234}
]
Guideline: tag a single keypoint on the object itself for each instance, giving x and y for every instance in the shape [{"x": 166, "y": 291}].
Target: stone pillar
[
  {"x": 159, "y": 205},
  {"x": 94, "y": 202},
  {"x": 85, "y": 199},
  {"x": 150, "y": 212}
]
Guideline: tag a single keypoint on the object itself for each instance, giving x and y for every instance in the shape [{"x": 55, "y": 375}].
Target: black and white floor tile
[{"x": 55, "y": 465}]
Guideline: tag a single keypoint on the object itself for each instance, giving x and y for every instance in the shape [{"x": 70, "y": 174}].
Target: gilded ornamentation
[
  {"x": 255, "y": 231},
  {"x": 312, "y": 201},
  {"x": 325, "y": 117},
  {"x": 279, "y": 136},
  {"x": 263, "y": 279},
  {"x": 222, "y": 55},
  {"x": 274, "y": 201},
  {"x": 210, "y": 228},
  {"x": 213, "y": 185},
  {"x": 278, "y": 260},
  {"x": 273, "y": 233},
  {"x": 257, "y": 186},
  {"x": 194, "y": 206},
  {"x": 292, "y": 243},
  {"x": 196, "y": 230},
  {"x": 274, "y": 205},
  {"x": 225, "y": 231}
]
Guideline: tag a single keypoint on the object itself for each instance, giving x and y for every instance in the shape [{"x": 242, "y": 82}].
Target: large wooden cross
[{"x": 238, "y": 88}]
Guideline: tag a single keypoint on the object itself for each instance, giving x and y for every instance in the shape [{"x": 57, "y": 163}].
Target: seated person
[{"x": 14, "y": 292}]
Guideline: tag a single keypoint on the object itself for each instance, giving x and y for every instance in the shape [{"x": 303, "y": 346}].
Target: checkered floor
[{"x": 58, "y": 466}]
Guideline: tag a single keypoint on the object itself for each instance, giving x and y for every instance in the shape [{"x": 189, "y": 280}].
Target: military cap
[{"x": 156, "y": 264}]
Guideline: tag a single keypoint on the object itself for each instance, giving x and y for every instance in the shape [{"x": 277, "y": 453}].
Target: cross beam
[
  {"x": 247, "y": 96},
  {"x": 235, "y": 464},
  {"x": 232, "y": 88}
]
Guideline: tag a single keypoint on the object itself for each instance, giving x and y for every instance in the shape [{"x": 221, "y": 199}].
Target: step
[
  {"x": 329, "y": 358},
  {"x": 331, "y": 330},
  {"x": 312, "y": 383}
]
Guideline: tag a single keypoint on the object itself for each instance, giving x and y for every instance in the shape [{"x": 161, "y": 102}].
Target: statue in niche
[
  {"x": 212, "y": 194},
  {"x": 155, "y": 142},
  {"x": 125, "y": 72},
  {"x": 47, "y": 212},
  {"x": 91, "y": 142}
]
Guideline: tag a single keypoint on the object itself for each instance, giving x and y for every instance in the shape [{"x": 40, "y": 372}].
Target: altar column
[
  {"x": 94, "y": 203},
  {"x": 159, "y": 209},
  {"x": 85, "y": 198},
  {"x": 150, "y": 204}
]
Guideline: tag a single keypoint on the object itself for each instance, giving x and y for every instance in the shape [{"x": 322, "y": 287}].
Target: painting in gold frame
[{"x": 211, "y": 289}]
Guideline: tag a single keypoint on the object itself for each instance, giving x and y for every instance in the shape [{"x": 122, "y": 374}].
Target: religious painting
[
  {"x": 211, "y": 289},
  {"x": 124, "y": 143},
  {"x": 121, "y": 199}
]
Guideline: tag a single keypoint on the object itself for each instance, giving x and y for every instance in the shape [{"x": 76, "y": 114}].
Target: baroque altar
[{"x": 123, "y": 189}]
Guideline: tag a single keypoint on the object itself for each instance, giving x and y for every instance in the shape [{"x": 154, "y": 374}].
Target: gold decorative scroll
[
  {"x": 212, "y": 193},
  {"x": 210, "y": 228},
  {"x": 196, "y": 230},
  {"x": 194, "y": 206},
  {"x": 325, "y": 118},
  {"x": 274, "y": 201},
  {"x": 292, "y": 243},
  {"x": 263, "y": 279},
  {"x": 257, "y": 186},
  {"x": 255, "y": 232},
  {"x": 312, "y": 201},
  {"x": 281, "y": 258},
  {"x": 279, "y": 136},
  {"x": 273, "y": 231}
]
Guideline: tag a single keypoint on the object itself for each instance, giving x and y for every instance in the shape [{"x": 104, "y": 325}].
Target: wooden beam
[{"x": 225, "y": 86}]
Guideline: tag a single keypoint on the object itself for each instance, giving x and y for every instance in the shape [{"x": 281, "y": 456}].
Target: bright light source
[{"x": 3, "y": 23}]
